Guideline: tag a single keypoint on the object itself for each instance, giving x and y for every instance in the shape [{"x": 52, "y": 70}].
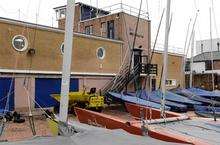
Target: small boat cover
[
  {"x": 207, "y": 111},
  {"x": 136, "y": 100},
  {"x": 175, "y": 98},
  {"x": 145, "y": 95},
  {"x": 204, "y": 93},
  {"x": 193, "y": 96}
]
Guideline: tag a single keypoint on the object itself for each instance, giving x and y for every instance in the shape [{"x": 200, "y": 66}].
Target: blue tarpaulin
[
  {"x": 207, "y": 111},
  {"x": 175, "y": 98},
  {"x": 204, "y": 93},
  {"x": 136, "y": 100},
  {"x": 193, "y": 96},
  {"x": 174, "y": 106}
]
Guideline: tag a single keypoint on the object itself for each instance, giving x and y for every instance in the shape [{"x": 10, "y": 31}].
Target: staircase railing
[{"x": 118, "y": 83}]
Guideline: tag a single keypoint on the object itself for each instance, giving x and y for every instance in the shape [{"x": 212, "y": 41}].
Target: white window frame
[
  {"x": 90, "y": 29},
  {"x": 62, "y": 48},
  {"x": 104, "y": 53},
  {"x": 25, "y": 41},
  {"x": 103, "y": 29}
]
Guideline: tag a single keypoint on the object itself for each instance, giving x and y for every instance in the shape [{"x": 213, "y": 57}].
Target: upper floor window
[
  {"x": 218, "y": 46},
  {"x": 103, "y": 29},
  {"x": 20, "y": 43},
  {"x": 202, "y": 48},
  {"x": 89, "y": 30},
  {"x": 111, "y": 29},
  {"x": 60, "y": 13}
]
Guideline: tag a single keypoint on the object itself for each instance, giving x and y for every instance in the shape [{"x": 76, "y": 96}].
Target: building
[
  {"x": 205, "y": 45},
  {"x": 202, "y": 70},
  {"x": 31, "y": 55},
  {"x": 118, "y": 23}
]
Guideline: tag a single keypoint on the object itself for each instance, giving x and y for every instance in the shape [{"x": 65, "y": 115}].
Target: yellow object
[
  {"x": 53, "y": 125},
  {"x": 83, "y": 99}
]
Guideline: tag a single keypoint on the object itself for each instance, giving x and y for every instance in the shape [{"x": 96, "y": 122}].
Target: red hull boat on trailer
[{"x": 154, "y": 127}]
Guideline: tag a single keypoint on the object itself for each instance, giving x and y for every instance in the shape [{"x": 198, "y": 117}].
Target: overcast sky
[{"x": 182, "y": 11}]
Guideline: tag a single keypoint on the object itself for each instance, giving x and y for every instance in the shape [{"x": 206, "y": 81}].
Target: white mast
[
  {"x": 165, "y": 59},
  {"x": 191, "y": 61},
  {"x": 67, "y": 57},
  {"x": 213, "y": 79},
  {"x": 184, "y": 58}
]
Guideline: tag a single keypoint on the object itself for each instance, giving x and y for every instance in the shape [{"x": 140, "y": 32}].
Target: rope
[
  {"x": 135, "y": 36},
  {"x": 158, "y": 30}
]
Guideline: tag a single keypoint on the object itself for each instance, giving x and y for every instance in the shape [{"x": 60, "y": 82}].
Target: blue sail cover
[
  {"x": 145, "y": 95},
  {"x": 193, "y": 96},
  {"x": 175, "y": 98},
  {"x": 207, "y": 111},
  {"x": 204, "y": 93},
  {"x": 136, "y": 100}
]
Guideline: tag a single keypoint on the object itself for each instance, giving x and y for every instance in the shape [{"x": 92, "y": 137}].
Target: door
[
  {"x": 7, "y": 94},
  {"x": 44, "y": 87}
]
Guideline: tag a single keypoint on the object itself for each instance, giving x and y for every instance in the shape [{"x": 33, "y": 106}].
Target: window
[
  {"x": 100, "y": 53},
  {"x": 103, "y": 29},
  {"x": 218, "y": 46},
  {"x": 153, "y": 84},
  {"x": 187, "y": 66},
  {"x": 20, "y": 43},
  {"x": 111, "y": 29},
  {"x": 170, "y": 82},
  {"x": 62, "y": 48},
  {"x": 61, "y": 13},
  {"x": 201, "y": 48},
  {"x": 89, "y": 30},
  {"x": 208, "y": 65}
]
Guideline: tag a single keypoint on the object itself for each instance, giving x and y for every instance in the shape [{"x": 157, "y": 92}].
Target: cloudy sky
[{"x": 182, "y": 12}]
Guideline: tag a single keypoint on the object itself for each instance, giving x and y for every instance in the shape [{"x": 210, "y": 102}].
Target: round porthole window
[
  {"x": 101, "y": 53},
  {"x": 20, "y": 43},
  {"x": 62, "y": 48}
]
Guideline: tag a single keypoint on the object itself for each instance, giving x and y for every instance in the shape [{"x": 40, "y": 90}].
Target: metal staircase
[{"x": 125, "y": 76}]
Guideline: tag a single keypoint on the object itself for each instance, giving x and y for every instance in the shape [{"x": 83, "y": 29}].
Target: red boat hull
[
  {"x": 133, "y": 127},
  {"x": 149, "y": 113}
]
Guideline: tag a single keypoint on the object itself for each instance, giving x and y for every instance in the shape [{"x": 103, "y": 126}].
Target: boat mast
[
  {"x": 67, "y": 58},
  {"x": 213, "y": 79},
  {"x": 165, "y": 58},
  {"x": 191, "y": 60},
  {"x": 213, "y": 82},
  {"x": 184, "y": 58}
]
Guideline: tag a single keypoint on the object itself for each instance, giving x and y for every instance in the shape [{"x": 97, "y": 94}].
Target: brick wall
[{"x": 48, "y": 56}]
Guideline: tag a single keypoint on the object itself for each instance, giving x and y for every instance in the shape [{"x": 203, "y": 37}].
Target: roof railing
[{"x": 120, "y": 7}]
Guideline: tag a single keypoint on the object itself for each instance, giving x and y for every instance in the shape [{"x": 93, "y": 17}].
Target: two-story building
[
  {"x": 31, "y": 55},
  {"x": 202, "y": 70}
]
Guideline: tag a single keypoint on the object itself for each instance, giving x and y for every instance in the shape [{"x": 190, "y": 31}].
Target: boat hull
[{"x": 133, "y": 127}]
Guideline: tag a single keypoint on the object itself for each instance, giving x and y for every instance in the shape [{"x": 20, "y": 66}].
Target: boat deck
[
  {"x": 93, "y": 136},
  {"x": 207, "y": 130}
]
